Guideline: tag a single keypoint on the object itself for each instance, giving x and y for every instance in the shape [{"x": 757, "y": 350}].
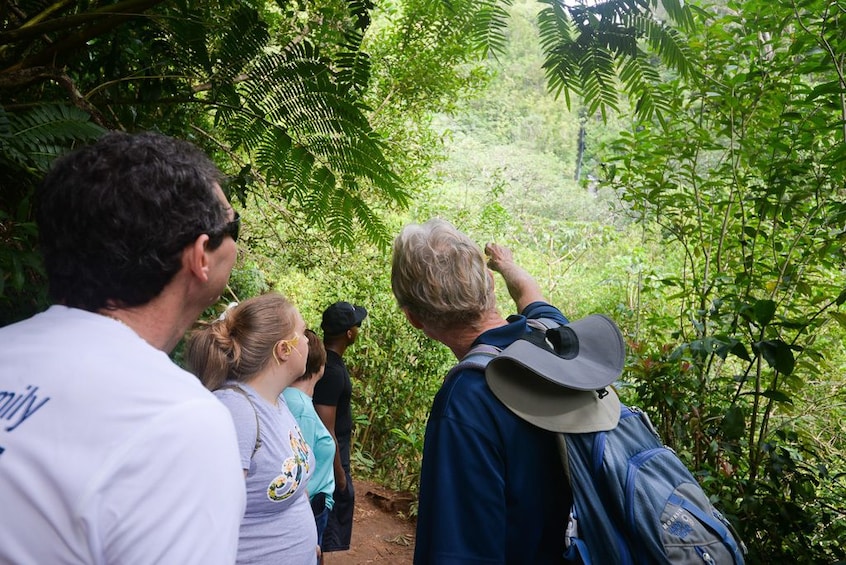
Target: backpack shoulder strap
[
  {"x": 480, "y": 355},
  {"x": 561, "y": 442},
  {"x": 253, "y": 406},
  {"x": 542, "y": 323},
  {"x": 477, "y": 358}
]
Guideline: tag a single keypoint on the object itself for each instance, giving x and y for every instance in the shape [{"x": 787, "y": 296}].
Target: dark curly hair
[{"x": 114, "y": 217}]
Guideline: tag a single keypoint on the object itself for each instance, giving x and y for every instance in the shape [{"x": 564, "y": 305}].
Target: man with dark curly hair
[{"x": 109, "y": 452}]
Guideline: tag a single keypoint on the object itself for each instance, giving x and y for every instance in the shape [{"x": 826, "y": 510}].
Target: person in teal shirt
[{"x": 298, "y": 398}]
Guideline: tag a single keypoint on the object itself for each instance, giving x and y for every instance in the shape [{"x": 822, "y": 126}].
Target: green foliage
[
  {"x": 726, "y": 277},
  {"x": 745, "y": 177},
  {"x": 246, "y": 281},
  {"x": 399, "y": 371},
  {"x": 488, "y": 28},
  {"x": 29, "y": 140},
  {"x": 312, "y": 144},
  {"x": 279, "y": 94},
  {"x": 593, "y": 48}
]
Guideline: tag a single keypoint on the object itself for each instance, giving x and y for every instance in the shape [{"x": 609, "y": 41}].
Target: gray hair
[{"x": 440, "y": 275}]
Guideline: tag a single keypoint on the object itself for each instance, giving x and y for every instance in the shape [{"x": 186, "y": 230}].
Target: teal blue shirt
[{"x": 320, "y": 440}]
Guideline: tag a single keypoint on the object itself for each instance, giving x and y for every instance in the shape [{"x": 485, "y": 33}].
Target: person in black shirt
[{"x": 341, "y": 323}]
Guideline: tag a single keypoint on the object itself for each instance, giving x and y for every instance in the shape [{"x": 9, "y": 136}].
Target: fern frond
[
  {"x": 679, "y": 12},
  {"x": 488, "y": 26},
  {"x": 371, "y": 221},
  {"x": 360, "y": 10},
  {"x": 667, "y": 43},
  {"x": 349, "y": 205},
  {"x": 38, "y": 136},
  {"x": 310, "y": 138},
  {"x": 642, "y": 79},
  {"x": 599, "y": 81},
  {"x": 339, "y": 224},
  {"x": 242, "y": 42},
  {"x": 5, "y": 125},
  {"x": 353, "y": 65},
  {"x": 554, "y": 25},
  {"x": 588, "y": 47},
  {"x": 561, "y": 62}
]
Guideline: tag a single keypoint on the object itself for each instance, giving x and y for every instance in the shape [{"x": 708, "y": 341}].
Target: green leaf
[
  {"x": 764, "y": 311},
  {"x": 839, "y": 317},
  {"x": 590, "y": 49},
  {"x": 777, "y": 396},
  {"x": 777, "y": 354},
  {"x": 735, "y": 347},
  {"x": 734, "y": 423}
]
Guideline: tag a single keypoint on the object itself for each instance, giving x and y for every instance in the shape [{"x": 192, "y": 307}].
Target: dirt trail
[{"x": 380, "y": 535}]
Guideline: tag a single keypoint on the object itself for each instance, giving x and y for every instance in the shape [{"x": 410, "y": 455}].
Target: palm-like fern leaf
[
  {"x": 679, "y": 13},
  {"x": 639, "y": 76},
  {"x": 353, "y": 64},
  {"x": 591, "y": 48},
  {"x": 241, "y": 43},
  {"x": 667, "y": 41},
  {"x": 488, "y": 26},
  {"x": 36, "y": 137},
  {"x": 312, "y": 140},
  {"x": 556, "y": 39},
  {"x": 598, "y": 78}
]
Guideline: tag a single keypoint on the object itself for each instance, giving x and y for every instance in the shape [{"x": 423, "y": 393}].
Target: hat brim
[
  {"x": 360, "y": 314},
  {"x": 337, "y": 322},
  {"x": 585, "y": 372},
  {"x": 548, "y": 405}
]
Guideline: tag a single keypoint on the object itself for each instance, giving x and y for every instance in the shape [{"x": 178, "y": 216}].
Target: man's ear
[
  {"x": 415, "y": 323},
  {"x": 196, "y": 258}
]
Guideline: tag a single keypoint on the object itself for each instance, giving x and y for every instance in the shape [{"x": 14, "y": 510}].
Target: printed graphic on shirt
[
  {"x": 17, "y": 407},
  {"x": 294, "y": 469}
]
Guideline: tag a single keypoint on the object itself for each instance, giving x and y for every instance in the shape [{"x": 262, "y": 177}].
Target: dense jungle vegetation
[{"x": 680, "y": 167}]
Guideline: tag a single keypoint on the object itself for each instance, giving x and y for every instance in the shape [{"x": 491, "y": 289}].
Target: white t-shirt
[
  {"x": 109, "y": 452},
  {"x": 278, "y": 524}
]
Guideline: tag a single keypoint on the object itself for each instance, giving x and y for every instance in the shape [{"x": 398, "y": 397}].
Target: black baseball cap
[{"x": 341, "y": 316}]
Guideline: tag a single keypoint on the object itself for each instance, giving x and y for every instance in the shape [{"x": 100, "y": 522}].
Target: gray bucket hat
[{"x": 562, "y": 383}]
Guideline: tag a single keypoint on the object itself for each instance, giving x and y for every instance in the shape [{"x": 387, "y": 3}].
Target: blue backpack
[{"x": 634, "y": 501}]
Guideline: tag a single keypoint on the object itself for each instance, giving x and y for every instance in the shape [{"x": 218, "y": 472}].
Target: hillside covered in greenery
[{"x": 679, "y": 167}]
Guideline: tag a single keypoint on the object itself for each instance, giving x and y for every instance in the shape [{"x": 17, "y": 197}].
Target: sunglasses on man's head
[{"x": 230, "y": 228}]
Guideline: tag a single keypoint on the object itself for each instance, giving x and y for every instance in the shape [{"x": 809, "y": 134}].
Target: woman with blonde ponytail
[{"x": 248, "y": 357}]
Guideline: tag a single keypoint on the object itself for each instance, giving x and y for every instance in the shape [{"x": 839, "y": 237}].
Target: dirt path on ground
[{"x": 380, "y": 534}]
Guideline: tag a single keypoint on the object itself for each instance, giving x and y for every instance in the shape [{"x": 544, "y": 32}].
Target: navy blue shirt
[{"x": 492, "y": 487}]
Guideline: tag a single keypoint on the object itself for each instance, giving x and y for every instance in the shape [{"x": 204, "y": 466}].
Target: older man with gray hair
[{"x": 492, "y": 488}]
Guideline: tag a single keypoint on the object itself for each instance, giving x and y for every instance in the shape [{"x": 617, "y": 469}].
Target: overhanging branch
[{"x": 122, "y": 10}]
